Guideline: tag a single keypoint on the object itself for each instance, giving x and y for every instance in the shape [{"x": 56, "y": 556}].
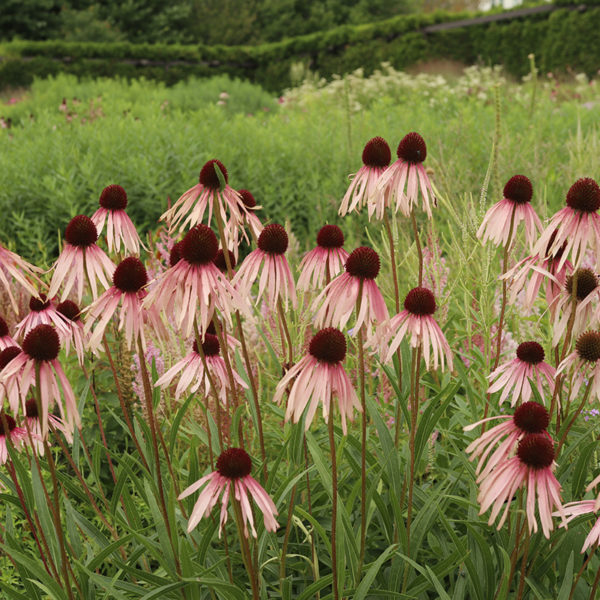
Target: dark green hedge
[{"x": 560, "y": 40}]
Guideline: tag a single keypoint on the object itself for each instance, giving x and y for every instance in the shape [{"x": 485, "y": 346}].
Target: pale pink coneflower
[
  {"x": 6, "y": 340},
  {"x": 42, "y": 312},
  {"x": 231, "y": 477},
  {"x": 249, "y": 219},
  {"x": 40, "y": 351},
  {"x": 587, "y": 291},
  {"x": 189, "y": 209},
  {"x": 75, "y": 331},
  {"x": 529, "y": 417},
  {"x": 574, "y": 227},
  {"x": 33, "y": 426},
  {"x": 325, "y": 261},
  {"x": 119, "y": 227},
  {"x": 539, "y": 268},
  {"x": 417, "y": 320},
  {"x": 533, "y": 468},
  {"x": 192, "y": 375},
  {"x": 12, "y": 266},
  {"x": 8, "y": 428},
  {"x": 502, "y": 219},
  {"x": 276, "y": 278},
  {"x": 357, "y": 284},
  {"x": 10, "y": 388},
  {"x": 376, "y": 157},
  {"x": 129, "y": 279},
  {"x": 81, "y": 258},
  {"x": 515, "y": 375},
  {"x": 319, "y": 378},
  {"x": 585, "y": 364},
  {"x": 400, "y": 183},
  {"x": 585, "y": 507},
  {"x": 194, "y": 286}
]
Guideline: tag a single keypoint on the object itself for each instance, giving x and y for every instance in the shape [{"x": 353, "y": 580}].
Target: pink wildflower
[
  {"x": 249, "y": 219},
  {"x": 12, "y": 266},
  {"x": 33, "y": 426},
  {"x": 585, "y": 507},
  {"x": 42, "y": 312},
  {"x": 584, "y": 363},
  {"x": 74, "y": 329},
  {"x": 231, "y": 477},
  {"x": 6, "y": 339},
  {"x": 10, "y": 388},
  {"x": 8, "y": 428},
  {"x": 317, "y": 378}
]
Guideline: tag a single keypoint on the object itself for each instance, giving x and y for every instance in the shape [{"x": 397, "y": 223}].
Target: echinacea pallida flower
[
  {"x": 8, "y": 428},
  {"x": 516, "y": 374},
  {"x": 42, "y": 311},
  {"x": 14, "y": 267},
  {"x": 232, "y": 477},
  {"x": 532, "y": 468},
  {"x": 33, "y": 425},
  {"x": 585, "y": 364},
  {"x": 119, "y": 228},
  {"x": 585, "y": 507},
  {"x": 6, "y": 339},
  {"x": 328, "y": 258},
  {"x": 400, "y": 183},
  {"x": 376, "y": 157},
  {"x": 320, "y": 378},
  {"x": 501, "y": 220}
]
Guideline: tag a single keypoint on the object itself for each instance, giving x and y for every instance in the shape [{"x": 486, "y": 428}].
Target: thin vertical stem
[
  {"x": 334, "y": 493},
  {"x": 246, "y": 554},
  {"x": 523, "y": 565},
  {"x": 286, "y": 537},
  {"x": 286, "y": 331},
  {"x": 413, "y": 220}
]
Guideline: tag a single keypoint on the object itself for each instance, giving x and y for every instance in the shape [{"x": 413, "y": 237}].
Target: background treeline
[{"x": 559, "y": 38}]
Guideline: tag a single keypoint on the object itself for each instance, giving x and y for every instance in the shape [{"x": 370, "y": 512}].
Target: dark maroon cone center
[
  {"x": 273, "y": 239},
  {"x": 175, "y": 254},
  {"x": 220, "y": 260},
  {"x": 81, "y": 232},
  {"x": 210, "y": 345},
  {"x": 38, "y": 304},
  {"x": 208, "y": 176},
  {"x": 8, "y": 354},
  {"x": 518, "y": 189},
  {"x": 31, "y": 409},
  {"x": 130, "y": 276},
  {"x": 363, "y": 262},
  {"x": 42, "y": 343},
  {"x": 7, "y": 423},
  {"x": 536, "y": 450},
  {"x": 113, "y": 197},
  {"x": 584, "y": 195},
  {"x": 376, "y": 153},
  {"x": 587, "y": 282},
  {"x": 412, "y": 148},
  {"x": 3, "y": 327},
  {"x": 328, "y": 345},
  {"x": 530, "y": 352},
  {"x": 420, "y": 301},
  {"x": 234, "y": 463},
  {"x": 199, "y": 246},
  {"x": 70, "y": 310},
  {"x": 588, "y": 346},
  {"x": 330, "y": 236},
  {"x": 247, "y": 198},
  {"x": 531, "y": 417}
]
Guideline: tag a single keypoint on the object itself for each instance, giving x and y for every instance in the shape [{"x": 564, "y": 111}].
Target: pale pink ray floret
[
  {"x": 501, "y": 221},
  {"x": 417, "y": 321},
  {"x": 319, "y": 378},
  {"x": 33, "y": 426},
  {"x": 376, "y": 157},
  {"x": 583, "y": 365},
  {"x": 75, "y": 335},
  {"x": 13, "y": 267},
  {"x": 268, "y": 260},
  {"x": 325, "y": 261},
  {"x": 6, "y": 340},
  {"x": 516, "y": 375},
  {"x": 193, "y": 376},
  {"x": 119, "y": 227},
  {"x": 585, "y": 507},
  {"x": 353, "y": 290},
  {"x": 10, "y": 388},
  {"x": 250, "y": 219},
  {"x": 42, "y": 312},
  {"x": 401, "y": 184},
  {"x": 8, "y": 428},
  {"x": 81, "y": 260},
  {"x": 232, "y": 478}
]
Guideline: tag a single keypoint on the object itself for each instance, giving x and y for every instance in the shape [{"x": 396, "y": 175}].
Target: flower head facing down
[
  {"x": 501, "y": 220},
  {"x": 319, "y": 378},
  {"x": 349, "y": 290},
  {"x": 417, "y": 320},
  {"x": 516, "y": 375},
  {"x": 376, "y": 157},
  {"x": 232, "y": 477},
  {"x": 326, "y": 260}
]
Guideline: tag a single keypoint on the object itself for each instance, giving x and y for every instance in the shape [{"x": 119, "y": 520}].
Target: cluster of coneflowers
[{"x": 205, "y": 294}]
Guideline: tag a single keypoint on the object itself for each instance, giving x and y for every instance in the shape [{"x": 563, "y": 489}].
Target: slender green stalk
[
  {"x": 286, "y": 537},
  {"x": 523, "y": 565},
  {"x": 246, "y": 554},
  {"x": 413, "y": 220},
  {"x": 334, "y": 493}
]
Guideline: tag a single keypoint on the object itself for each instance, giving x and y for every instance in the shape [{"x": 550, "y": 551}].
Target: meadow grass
[{"x": 296, "y": 157}]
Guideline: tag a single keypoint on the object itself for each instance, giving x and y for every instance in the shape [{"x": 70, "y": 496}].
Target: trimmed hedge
[{"x": 560, "y": 39}]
